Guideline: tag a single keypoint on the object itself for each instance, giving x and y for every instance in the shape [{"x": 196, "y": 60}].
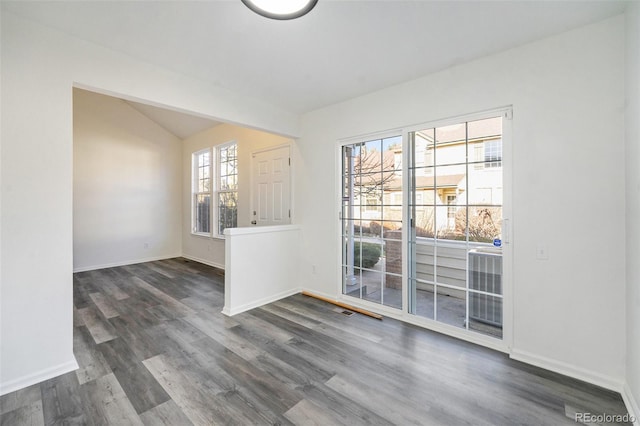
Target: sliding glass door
[{"x": 421, "y": 222}]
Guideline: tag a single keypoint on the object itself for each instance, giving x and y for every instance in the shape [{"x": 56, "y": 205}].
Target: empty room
[{"x": 331, "y": 212}]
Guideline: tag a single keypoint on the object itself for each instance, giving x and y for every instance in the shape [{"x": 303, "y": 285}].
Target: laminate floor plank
[
  {"x": 209, "y": 273},
  {"x": 26, "y": 415},
  {"x": 342, "y": 406},
  {"x": 106, "y": 403},
  {"x": 273, "y": 394},
  {"x": 140, "y": 340},
  {"x": 291, "y": 315},
  {"x": 182, "y": 330},
  {"x": 91, "y": 362},
  {"x": 391, "y": 402},
  {"x": 244, "y": 401},
  {"x": 197, "y": 280},
  {"x": 211, "y": 325},
  {"x": 157, "y": 267},
  {"x": 305, "y": 336},
  {"x": 262, "y": 329},
  {"x": 244, "y": 348},
  {"x": 20, "y": 398},
  {"x": 62, "y": 402},
  {"x": 105, "y": 306},
  {"x": 195, "y": 399},
  {"x": 210, "y": 302},
  {"x": 107, "y": 281},
  {"x": 159, "y": 281},
  {"x": 135, "y": 312},
  {"x": 314, "y": 369},
  {"x": 154, "y": 348},
  {"x": 330, "y": 319},
  {"x": 142, "y": 389},
  {"x": 77, "y": 319},
  {"x": 100, "y": 329},
  {"x": 165, "y": 414},
  {"x": 110, "y": 282},
  {"x": 357, "y": 323},
  {"x": 179, "y": 309},
  {"x": 81, "y": 292},
  {"x": 306, "y": 413}
]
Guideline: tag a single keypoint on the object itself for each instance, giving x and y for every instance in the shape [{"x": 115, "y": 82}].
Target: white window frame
[
  {"x": 506, "y": 343},
  {"x": 214, "y": 188},
  {"x": 195, "y": 192},
  {"x": 217, "y": 186}
]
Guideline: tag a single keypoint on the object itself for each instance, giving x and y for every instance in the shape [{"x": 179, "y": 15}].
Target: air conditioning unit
[{"x": 485, "y": 275}]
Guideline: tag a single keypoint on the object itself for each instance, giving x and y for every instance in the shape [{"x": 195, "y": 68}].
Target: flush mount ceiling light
[{"x": 281, "y": 9}]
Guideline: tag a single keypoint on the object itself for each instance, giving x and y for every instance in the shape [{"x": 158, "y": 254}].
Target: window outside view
[
  {"x": 202, "y": 192},
  {"x": 223, "y": 188},
  {"x": 455, "y": 207},
  {"x": 227, "y": 188}
]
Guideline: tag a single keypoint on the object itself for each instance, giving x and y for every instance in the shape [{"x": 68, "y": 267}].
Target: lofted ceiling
[
  {"x": 178, "y": 123},
  {"x": 342, "y": 49}
]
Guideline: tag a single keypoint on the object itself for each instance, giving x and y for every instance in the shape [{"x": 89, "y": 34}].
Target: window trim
[
  {"x": 507, "y": 113},
  {"x": 214, "y": 188},
  {"x": 217, "y": 186},
  {"x": 195, "y": 177}
]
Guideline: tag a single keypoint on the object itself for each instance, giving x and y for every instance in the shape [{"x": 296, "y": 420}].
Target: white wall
[
  {"x": 567, "y": 94},
  {"x": 39, "y": 68},
  {"x": 632, "y": 163},
  {"x": 272, "y": 254},
  {"x": 210, "y": 250},
  {"x": 127, "y": 185}
]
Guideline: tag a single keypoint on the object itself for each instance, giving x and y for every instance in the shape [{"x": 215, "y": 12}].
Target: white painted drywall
[
  {"x": 36, "y": 212},
  {"x": 567, "y": 93},
  {"x": 261, "y": 266},
  {"x": 632, "y": 163},
  {"x": 210, "y": 250},
  {"x": 39, "y": 68},
  {"x": 127, "y": 185}
]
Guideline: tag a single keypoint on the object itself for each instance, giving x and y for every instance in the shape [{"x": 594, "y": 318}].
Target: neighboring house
[{"x": 444, "y": 183}]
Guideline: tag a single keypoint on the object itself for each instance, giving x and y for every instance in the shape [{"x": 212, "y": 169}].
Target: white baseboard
[
  {"x": 203, "y": 261},
  {"x": 631, "y": 403},
  {"x": 568, "y": 370},
  {"x": 37, "y": 377},
  {"x": 228, "y": 311},
  {"x": 125, "y": 263}
]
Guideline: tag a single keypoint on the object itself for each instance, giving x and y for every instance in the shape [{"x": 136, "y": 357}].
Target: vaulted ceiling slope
[{"x": 342, "y": 49}]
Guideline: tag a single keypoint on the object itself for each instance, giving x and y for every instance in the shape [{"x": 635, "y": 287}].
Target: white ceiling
[
  {"x": 178, "y": 123},
  {"x": 342, "y": 49}
]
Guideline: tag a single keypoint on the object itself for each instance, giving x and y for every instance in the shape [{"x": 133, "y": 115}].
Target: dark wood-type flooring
[{"x": 154, "y": 349}]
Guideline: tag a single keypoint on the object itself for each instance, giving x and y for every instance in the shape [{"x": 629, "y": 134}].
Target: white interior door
[{"x": 271, "y": 187}]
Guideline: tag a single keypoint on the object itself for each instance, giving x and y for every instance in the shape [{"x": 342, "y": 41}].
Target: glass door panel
[
  {"x": 455, "y": 208},
  {"x": 372, "y": 216}
]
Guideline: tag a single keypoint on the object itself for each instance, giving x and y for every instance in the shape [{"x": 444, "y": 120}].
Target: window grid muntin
[
  {"x": 215, "y": 182},
  {"x": 226, "y": 187},
  {"x": 478, "y": 161},
  {"x": 369, "y": 175},
  {"x": 201, "y": 196}
]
